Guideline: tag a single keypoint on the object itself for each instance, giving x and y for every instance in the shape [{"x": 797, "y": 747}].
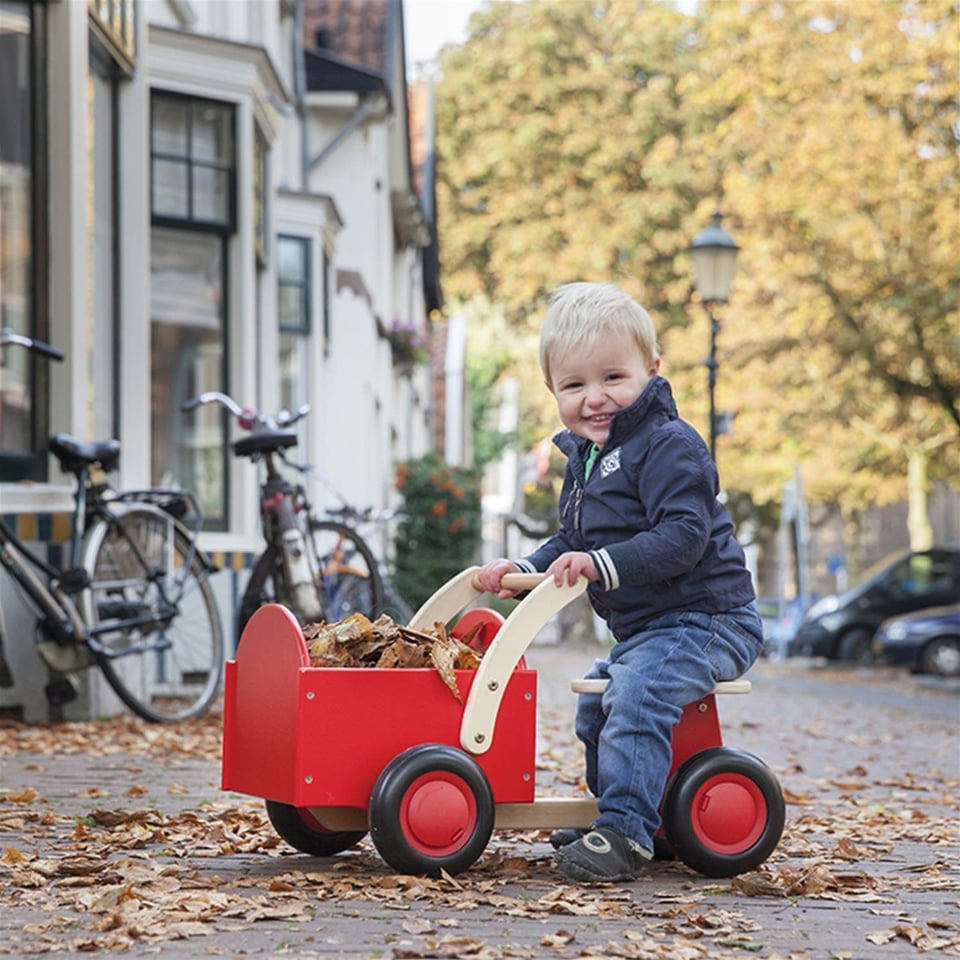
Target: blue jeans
[{"x": 676, "y": 659}]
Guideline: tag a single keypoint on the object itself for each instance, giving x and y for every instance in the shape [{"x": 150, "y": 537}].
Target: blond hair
[{"x": 578, "y": 314}]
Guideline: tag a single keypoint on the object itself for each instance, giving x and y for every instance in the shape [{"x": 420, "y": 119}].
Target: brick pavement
[{"x": 869, "y": 759}]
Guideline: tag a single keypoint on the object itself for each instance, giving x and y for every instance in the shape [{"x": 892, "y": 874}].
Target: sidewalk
[{"x": 115, "y": 836}]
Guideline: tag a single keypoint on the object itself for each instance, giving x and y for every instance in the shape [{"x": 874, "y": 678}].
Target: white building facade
[{"x": 191, "y": 201}]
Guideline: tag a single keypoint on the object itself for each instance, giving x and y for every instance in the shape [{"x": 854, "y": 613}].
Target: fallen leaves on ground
[{"x": 124, "y": 875}]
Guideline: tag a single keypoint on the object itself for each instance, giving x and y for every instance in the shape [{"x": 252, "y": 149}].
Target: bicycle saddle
[
  {"x": 75, "y": 454},
  {"x": 265, "y": 441}
]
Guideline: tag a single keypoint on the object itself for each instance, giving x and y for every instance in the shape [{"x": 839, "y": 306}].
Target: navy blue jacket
[{"x": 649, "y": 516}]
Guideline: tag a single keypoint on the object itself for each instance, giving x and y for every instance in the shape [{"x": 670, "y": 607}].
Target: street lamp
[{"x": 714, "y": 262}]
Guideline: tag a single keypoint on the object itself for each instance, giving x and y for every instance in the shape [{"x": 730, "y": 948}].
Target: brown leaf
[
  {"x": 443, "y": 657},
  {"x": 113, "y": 818},
  {"x": 28, "y": 795},
  {"x": 561, "y": 938},
  {"x": 12, "y": 857}
]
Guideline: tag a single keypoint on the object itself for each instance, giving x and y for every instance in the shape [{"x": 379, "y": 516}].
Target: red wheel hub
[
  {"x": 728, "y": 813},
  {"x": 438, "y": 813}
]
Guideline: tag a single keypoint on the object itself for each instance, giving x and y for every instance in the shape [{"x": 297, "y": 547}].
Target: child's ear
[{"x": 655, "y": 367}]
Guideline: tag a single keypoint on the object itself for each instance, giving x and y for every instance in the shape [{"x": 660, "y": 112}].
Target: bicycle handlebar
[
  {"x": 350, "y": 514},
  {"x": 248, "y": 417},
  {"x": 10, "y": 339}
]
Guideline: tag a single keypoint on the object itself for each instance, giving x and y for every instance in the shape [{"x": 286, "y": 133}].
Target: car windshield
[{"x": 875, "y": 569}]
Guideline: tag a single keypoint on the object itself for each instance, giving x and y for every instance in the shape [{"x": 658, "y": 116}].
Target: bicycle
[
  {"x": 319, "y": 569},
  {"x": 350, "y": 517},
  {"x": 134, "y": 599}
]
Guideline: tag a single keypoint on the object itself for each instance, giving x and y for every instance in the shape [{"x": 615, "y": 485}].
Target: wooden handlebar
[{"x": 515, "y": 581}]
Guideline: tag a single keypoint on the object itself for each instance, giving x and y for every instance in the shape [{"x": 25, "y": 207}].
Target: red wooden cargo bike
[{"x": 339, "y": 752}]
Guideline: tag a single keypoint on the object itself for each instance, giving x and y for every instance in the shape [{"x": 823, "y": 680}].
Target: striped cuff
[{"x": 609, "y": 578}]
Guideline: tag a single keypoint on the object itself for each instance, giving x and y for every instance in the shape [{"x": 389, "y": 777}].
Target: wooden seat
[{"x": 598, "y": 686}]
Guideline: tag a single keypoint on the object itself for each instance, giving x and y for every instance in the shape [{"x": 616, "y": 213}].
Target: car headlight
[
  {"x": 895, "y": 631},
  {"x": 822, "y": 608},
  {"x": 832, "y": 621}
]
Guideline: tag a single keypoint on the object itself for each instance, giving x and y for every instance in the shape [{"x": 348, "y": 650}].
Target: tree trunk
[{"x": 918, "y": 518}]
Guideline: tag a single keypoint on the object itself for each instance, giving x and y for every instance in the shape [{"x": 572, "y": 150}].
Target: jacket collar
[{"x": 657, "y": 398}]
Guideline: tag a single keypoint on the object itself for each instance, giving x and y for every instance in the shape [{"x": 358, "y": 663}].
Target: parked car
[
  {"x": 842, "y": 627},
  {"x": 927, "y": 641}
]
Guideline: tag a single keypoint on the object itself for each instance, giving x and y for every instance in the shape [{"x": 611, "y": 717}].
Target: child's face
[{"x": 591, "y": 385}]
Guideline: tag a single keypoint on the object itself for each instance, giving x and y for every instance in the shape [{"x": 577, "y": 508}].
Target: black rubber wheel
[
  {"x": 662, "y": 850},
  {"x": 856, "y": 646},
  {"x": 155, "y": 615},
  {"x": 349, "y": 572},
  {"x": 723, "y": 812},
  {"x": 394, "y": 606},
  {"x": 348, "y": 578},
  {"x": 266, "y": 585},
  {"x": 305, "y": 833},
  {"x": 431, "y": 810},
  {"x": 941, "y": 657}
]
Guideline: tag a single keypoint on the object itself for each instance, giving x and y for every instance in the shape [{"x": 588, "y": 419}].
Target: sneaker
[
  {"x": 560, "y": 838},
  {"x": 602, "y": 856}
]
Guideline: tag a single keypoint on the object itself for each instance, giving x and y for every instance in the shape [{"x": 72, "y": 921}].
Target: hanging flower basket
[{"x": 408, "y": 343}]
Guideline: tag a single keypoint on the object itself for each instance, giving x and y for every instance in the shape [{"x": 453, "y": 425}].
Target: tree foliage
[{"x": 591, "y": 139}]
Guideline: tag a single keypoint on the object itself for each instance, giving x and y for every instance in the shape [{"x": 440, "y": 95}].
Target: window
[
  {"x": 293, "y": 311},
  {"x": 193, "y": 163},
  {"x": 193, "y": 191},
  {"x": 24, "y": 420},
  {"x": 325, "y": 306}
]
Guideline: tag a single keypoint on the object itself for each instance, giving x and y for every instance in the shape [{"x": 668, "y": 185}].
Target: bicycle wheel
[
  {"x": 348, "y": 581},
  {"x": 394, "y": 605},
  {"x": 349, "y": 572},
  {"x": 154, "y": 620},
  {"x": 266, "y": 585}
]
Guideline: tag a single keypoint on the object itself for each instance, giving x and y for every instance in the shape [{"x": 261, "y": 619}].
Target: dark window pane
[
  {"x": 171, "y": 193},
  {"x": 212, "y": 138},
  {"x": 291, "y": 260},
  {"x": 169, "y": 126},
  {"x": 293, "y": 308},
  {"x": 211, "y": 195}
]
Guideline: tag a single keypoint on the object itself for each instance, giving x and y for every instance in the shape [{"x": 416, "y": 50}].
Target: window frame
[
  {"x": 223, "y": 230},
  {"x": 32, "y": 463},
  {"x": 306, "y": 251},
  {"x": 190, "y": 221}
]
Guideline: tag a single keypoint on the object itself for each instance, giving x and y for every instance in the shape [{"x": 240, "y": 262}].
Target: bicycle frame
[
  {"x": 140, "y": 498},
  {"x": 60, "y": 618},
  {"x": 59, "y": 612},
  {"x": 132, "y": 588}
]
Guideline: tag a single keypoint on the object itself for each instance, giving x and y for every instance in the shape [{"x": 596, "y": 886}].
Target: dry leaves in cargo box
[{"x": 358, "y": 642}]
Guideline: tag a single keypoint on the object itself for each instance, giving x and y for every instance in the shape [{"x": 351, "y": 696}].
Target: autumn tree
[
  {"x": 591, "y": 139},
  {"x": 836, "y": 133}
]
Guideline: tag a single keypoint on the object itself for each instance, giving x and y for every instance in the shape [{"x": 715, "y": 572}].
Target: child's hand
[
  {"x": 569, "y": 567},
  {"x": 490, "y": 575}
]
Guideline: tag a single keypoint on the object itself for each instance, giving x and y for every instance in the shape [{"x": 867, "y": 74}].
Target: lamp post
[{"x": 714, "y": 262}]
